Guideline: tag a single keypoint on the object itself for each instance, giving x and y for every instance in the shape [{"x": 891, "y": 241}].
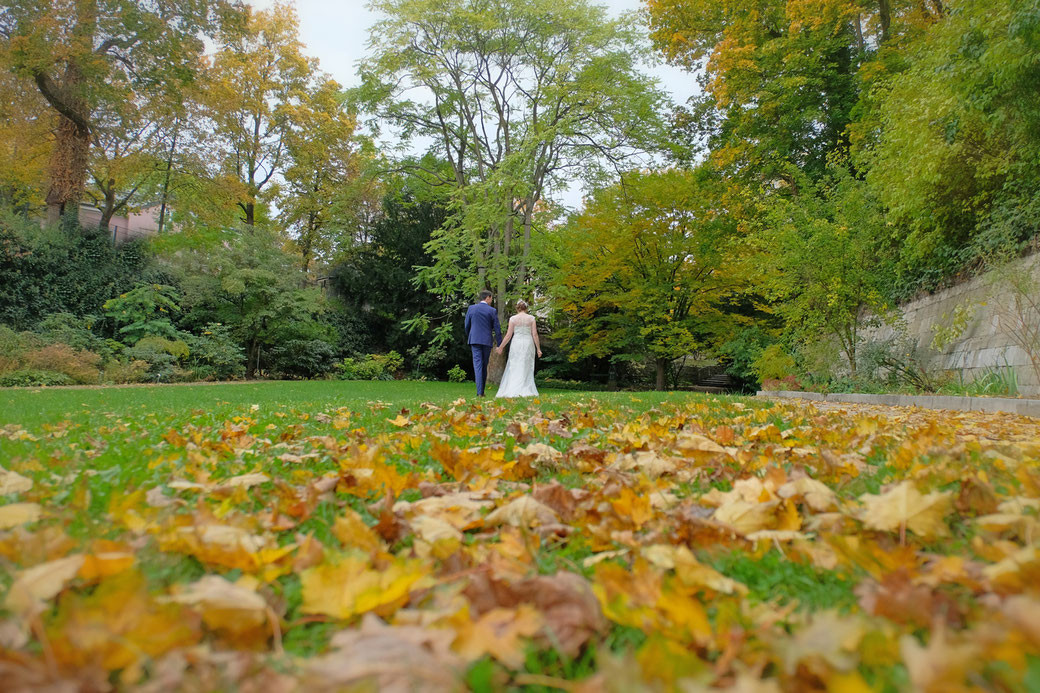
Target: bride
[{"x": 518, "y": 378}]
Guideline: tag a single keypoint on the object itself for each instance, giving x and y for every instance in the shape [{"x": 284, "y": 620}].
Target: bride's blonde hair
[{"x": 521, "y": 305}]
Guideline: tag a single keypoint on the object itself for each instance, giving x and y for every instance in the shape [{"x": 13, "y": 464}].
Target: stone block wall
[{"x": 987, "y": 341}]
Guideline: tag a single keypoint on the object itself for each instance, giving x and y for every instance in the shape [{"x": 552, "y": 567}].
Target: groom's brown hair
[{"x": 484, "y": 294}]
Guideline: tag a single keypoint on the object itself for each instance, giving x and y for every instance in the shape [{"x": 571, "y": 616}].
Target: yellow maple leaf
[
  {"x": 500, "y": 632},
  {"x": 353, "y": 586},
  {"x": 905, "y": 506}
]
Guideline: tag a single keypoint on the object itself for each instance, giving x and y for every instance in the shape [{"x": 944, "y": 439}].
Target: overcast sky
[{"x": 336, "y": 33}]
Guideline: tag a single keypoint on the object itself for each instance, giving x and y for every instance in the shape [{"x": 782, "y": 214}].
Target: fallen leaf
[
  {"x": 14, "y": 514},
  {"x": 904, "y": 505}
]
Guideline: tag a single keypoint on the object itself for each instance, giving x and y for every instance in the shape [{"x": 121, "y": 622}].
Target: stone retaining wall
[{"x": 987, "y": 341}]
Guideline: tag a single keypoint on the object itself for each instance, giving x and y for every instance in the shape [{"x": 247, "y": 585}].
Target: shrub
[
  {"x": 373, "y": 367},
  {"x": 145, "y": 312},
  {"x": 162, "y": 365},
  {"x": 44, "y": 271},
  {"x": 456, "y": 374},
  {"x": 80, "y": 366},
  {"x": 773, "y": 363},
  {"x": 119, "y": 371},
  {"x": 28, "y": 377},
  {"x": 215, "y": 355},
  {"x": 788, "y": 382},
  {"x": 303, "y": 358}
]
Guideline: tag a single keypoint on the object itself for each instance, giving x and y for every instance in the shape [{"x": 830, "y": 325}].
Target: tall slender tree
[
  {"x": 516, "y": 95},
  {"x": 257, "y": 75}
]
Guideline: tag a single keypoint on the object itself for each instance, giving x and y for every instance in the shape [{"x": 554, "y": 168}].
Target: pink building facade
[{"x": 123, "y": 227}]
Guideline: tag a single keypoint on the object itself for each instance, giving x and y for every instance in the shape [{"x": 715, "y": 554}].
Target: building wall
[
  {"x": 988, "y": 340},
  {"x": 125, "y": 227}
]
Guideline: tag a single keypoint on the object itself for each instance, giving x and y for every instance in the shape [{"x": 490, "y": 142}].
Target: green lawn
[{"x": 670, "y": 534}]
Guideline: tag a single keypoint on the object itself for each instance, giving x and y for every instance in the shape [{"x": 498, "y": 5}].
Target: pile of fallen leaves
[{"x": 575, "y": 545}]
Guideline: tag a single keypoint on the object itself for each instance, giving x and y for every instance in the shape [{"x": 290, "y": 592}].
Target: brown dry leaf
[
  {"x": 562, "y": 500},
  {"x": 904, "y": 505},
  {"x": 388, "y": 658},
  {"x": 499, "y": 632},
  {"x": 523, "y": 511},
  {"x": 689, "y": 570},
  {"x": 13, "y": 482},
  {"x": 648, "y": 462},
  {"x": 32, "y": 587},
  {"x": 460, "y": 510},
  {"x": 117, "y": 626},
  {"x": 244, "y": 481},
  {"x": 571, "y": 612},
  {"x": 14, "y": 514},
  {"x": 695, "y": 445}
]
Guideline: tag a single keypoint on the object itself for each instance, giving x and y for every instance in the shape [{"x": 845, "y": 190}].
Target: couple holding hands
[{"x": 483, "y": 332}]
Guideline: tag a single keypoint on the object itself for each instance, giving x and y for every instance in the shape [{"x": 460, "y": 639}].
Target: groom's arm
[
  {"x": 469, "y": 320},
  {"x": 498, "y": 330}
]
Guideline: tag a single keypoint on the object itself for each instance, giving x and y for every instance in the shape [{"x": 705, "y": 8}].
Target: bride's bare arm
[
  {"x": 505, "y": 340},
  {"x": 534, "y": 336}
]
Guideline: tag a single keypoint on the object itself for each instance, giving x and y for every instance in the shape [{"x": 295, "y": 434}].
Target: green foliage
[
  {"x": 215, "y": 355},
  {"x": 457, "y": 374},
  {"x": 248, "y": 283},
  {"x": 383, "y": 308},
  {"x": 46, "y": 271},
  {"x": 32, "y": 378},
  {"x": 145, "y": 311},
  {"x": 742, "y": 351},
  {"x": 950, "y": 327},
  {"x": 372, "y": 367},
  {"x": 828, "y": 253},
  {"x": 303, "y": 358},
  {"x": 773, "y": 363},
  {"x": 958, "y": 161}
]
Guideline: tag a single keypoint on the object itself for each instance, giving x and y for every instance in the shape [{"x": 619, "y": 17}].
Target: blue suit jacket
[{"x": 481, "y": 320}]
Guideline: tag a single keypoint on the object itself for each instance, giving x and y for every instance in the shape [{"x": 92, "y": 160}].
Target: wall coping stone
[{"x": 1008, "y": 405}]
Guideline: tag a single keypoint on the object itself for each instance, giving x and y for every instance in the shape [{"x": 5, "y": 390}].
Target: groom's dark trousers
[
  {"x": 482, "y": 333},
  {"x": 481, "y": 359}
]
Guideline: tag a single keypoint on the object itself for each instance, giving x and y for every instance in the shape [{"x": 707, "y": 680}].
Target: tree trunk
[
  {"x": 662, "y": 374},
  {"x": 497, "y": 366},
  {"x": 885, "y": 18},
  {"x": 68, "y": 170},
  {"x": 109, "y": 208},
  {"x": 166, "y": 180},
  {"x": 249, "y": 213}
]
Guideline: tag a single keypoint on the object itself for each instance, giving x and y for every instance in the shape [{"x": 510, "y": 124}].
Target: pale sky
[{"x": 336, "y": 33}]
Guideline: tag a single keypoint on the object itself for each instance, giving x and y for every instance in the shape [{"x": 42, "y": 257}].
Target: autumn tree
[
  {"x": 955, "y": 157},
  {"x": 516, "y": 95},
  {"x": 828, "y": 255},
  {"x": 781, "y": 79},
  {"x": 256, "y": 78},
  {"x": 83, "y": 54},
  {"x": 325, "y": 167},
  {"x": 25, "y": 144},
  {"x": 642, "y": 271}
]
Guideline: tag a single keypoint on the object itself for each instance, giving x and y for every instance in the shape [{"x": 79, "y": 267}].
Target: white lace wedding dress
[{"x": 518, "y": 378}]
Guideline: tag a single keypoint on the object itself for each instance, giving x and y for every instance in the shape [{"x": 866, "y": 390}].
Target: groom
[{"x": 481, "y": 319}]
